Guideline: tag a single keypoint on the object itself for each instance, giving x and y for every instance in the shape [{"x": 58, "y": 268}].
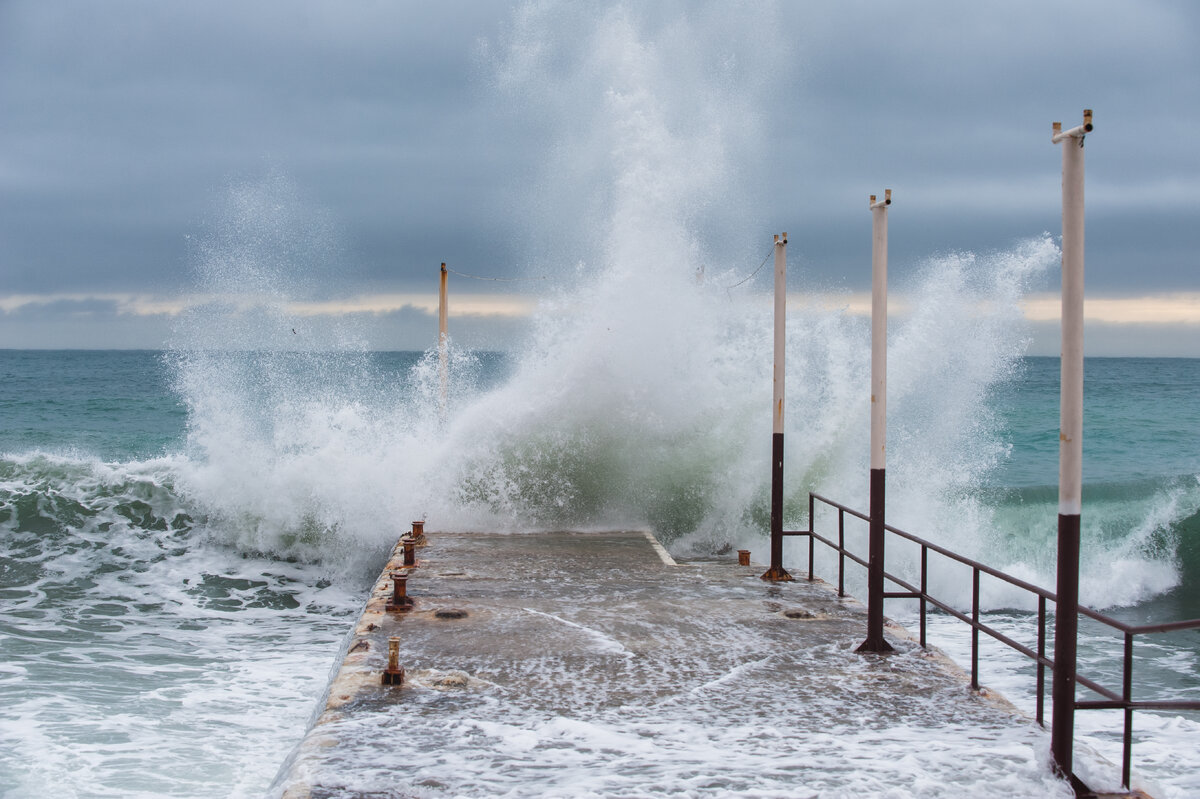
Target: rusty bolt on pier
[
  {"x": 400, "y": 599},
  {"x": 410, "y": 550},
  {"x": 394, "y": 673},
  {"x": 743, "y": 557},
  {"x": 418, "y": 533}
]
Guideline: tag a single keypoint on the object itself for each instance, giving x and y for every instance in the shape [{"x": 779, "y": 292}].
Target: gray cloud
[
  {"x": 468, "y": 133},
  {"x": 81, "y": 324}
]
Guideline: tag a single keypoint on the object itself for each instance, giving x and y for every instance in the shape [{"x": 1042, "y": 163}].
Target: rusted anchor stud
[
  {"x": 393, "y": 674},
  {"x": 400, "y": 599},
  {"x": 410, "y": 551},
  {"x": 418, "y": 533},
  {"x": 743, "y": 557}
]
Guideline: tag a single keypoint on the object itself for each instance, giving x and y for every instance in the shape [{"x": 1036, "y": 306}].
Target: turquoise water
[
  {"x": 1141, "y": 465},
  {"x": 1141, "y": 421},
  {"x": 113, "y": 405},
  {"x": 179, "y": 529}
]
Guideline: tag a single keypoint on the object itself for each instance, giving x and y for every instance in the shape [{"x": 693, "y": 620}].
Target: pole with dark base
[
  {"x": 875, "y": 543},
  {"x": 776, "y": 572},
  {"x": 1070, "y": 450}
]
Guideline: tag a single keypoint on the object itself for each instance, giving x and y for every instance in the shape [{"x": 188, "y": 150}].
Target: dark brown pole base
[
  {"x": 777, "y": 574},
  {"x": 874, "y": 646},
  {"x": 1066, "y": 626},
  {"x": 875, "y": 642}
]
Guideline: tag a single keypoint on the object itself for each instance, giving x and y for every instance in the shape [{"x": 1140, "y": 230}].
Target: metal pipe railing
[{"x": 1112, "y": 700}]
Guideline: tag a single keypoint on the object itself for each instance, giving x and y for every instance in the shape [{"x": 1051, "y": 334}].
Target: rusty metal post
[
  {"x": 394, "y": 673},
  {"x": 400, "y": 599},
  {"x": 879, "y": 240},
  {"x": 410, "y": 550},
  {"x": 743, "y": 557},
  {"x": 1070, "y": 451},
  {"x": 418, "y": 533},
  {"x": 776, "y": 572}
]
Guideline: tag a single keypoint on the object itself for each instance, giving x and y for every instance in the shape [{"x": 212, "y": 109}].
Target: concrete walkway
[{"x": 588, "y": 664}]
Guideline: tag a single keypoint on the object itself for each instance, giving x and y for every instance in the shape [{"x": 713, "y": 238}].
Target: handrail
[
  {"x": 1018, "y": 582},
  {"x": 1113, "y": 700}
]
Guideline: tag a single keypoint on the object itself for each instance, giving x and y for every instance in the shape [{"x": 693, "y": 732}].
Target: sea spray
[
  {"x": 281, "y": 410},
  {"x": 641, "y": 398},
  {"x": 648, "y": 117}
]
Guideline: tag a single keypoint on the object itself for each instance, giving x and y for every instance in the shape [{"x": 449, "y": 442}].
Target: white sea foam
[
  {"x": 146, "y": 656},
  {"x": 1165, "y": 759}
]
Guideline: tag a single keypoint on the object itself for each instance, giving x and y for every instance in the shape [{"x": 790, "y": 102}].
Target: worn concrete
[{"x": 602, "y": 630}]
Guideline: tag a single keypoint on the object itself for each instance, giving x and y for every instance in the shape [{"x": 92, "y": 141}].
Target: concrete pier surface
[{"x": 588, "y": 664}]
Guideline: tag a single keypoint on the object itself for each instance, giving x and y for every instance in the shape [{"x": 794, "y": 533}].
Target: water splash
[{"x": 642, "y": 395}]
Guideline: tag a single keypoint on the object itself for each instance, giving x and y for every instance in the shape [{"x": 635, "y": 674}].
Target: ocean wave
[{"x": 136, "y": 631}]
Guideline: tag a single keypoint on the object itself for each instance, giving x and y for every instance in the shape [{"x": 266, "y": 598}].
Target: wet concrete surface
[{"x": 586, "y": 664}]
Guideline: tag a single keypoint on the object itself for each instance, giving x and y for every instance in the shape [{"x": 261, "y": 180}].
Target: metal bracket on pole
[
  {"x": 776, "y": 572},
  {"x": 1077, "y": 132},
  {"x": 1070, "y": 451},
  {"x": 875, "y": 642}
]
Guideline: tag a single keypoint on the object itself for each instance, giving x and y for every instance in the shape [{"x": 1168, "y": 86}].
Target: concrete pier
[{"x": 589, "y": 664}]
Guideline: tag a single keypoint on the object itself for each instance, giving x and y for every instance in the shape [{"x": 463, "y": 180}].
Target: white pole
[
  {"x": 1070, "y": 450},
  {"x": 875, "y": 537},
  {"x": 776, "y": 572},
  {"x": 1070, "y": 459},
  {"x": 780, "y": 332},
  {"x": 879, "y": 259}
]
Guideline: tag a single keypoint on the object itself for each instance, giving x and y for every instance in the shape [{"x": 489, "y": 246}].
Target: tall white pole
[
  {"x": 776, "y": 572},
  {"x": 879, "y": 265},
  {"x": 1070, "y": 460},
  {"x": 443, "y": 343},
  {"x": 875, "y": 569},
  {"x": 1070, "y": 449},
  {"x": 780, "y": 371}
]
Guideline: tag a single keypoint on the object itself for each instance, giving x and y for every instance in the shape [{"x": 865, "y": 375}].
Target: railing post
[
  {"x": 1041, "y": 669},
  {"x": 924, "y": 589},
  {"x": 776, "y": 572},
  {"x": 841, "y": 552},
  {"x": 1070, "y": 451},
  {"x": 1127, "y": 697},
  {"x": 875, "y": 641},
  {"x": 811, "y": 540},
  {"x": 975, "y": 628}
]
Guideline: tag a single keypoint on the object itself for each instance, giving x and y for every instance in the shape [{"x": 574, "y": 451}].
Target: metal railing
[{"x": 1112, "y": 700}]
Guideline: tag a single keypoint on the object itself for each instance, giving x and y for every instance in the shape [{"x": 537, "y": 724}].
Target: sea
[
  {"x": 188, "y": 534},
  {"x": 186, "y": 537}
]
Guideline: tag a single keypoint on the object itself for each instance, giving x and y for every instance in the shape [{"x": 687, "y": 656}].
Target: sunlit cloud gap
[
  {"x": 1181, "y": 308},
  {"x": 149, "y": 305}
]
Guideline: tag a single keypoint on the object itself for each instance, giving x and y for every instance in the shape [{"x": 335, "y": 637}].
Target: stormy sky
[{"x": 358, "y": 145}]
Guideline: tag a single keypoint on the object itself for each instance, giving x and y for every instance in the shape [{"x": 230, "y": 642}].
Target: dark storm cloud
[
  {"x": 950, "y": 104},
  {"x": 124, "y": 122},
  {"x": 60, "y": 308},
  {"x": 82, "y": 323}
]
